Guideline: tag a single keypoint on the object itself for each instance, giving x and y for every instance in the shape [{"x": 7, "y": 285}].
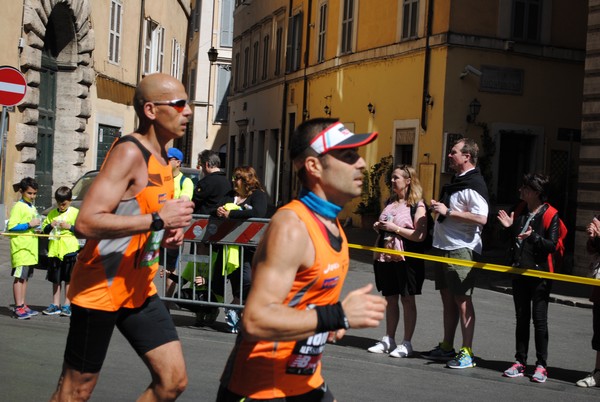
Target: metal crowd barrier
[{"x": 195, "y": 258}]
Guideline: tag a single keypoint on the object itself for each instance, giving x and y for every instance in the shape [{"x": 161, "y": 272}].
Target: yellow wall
[
  {"x": 389, "y": 73},
  {"x": 168, "y": 14},
  {"x": 126, "y": 70},
  {"x": 10, "y": 33},
  {"x": 377, "y": 25},
  {"x": 12, "y": 11}
]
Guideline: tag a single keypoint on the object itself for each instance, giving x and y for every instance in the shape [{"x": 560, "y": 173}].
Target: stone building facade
[
  {"x": 63, "y": 30},
  {"x": 82, "y": 60},
  {"x": 588, "y": 187}
]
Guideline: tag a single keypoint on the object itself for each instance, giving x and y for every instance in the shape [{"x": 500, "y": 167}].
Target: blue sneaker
[
  {"x": 52, "y": 309},
  {"x": 20, "y": 314},
  {"x": 462, "y": 360},
  {"x": 65, "y": 311},
  {"x": 29, "y": 311},
  {"x": 233, "y": 320}
]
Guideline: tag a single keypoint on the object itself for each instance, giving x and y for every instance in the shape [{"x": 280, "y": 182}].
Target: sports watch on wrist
[
  {"x": 157, "y": 223},
  {"x": 448, "y": 212}
]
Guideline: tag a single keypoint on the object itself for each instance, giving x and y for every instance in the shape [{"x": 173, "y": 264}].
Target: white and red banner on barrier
[{"x": 226, "y": 231}]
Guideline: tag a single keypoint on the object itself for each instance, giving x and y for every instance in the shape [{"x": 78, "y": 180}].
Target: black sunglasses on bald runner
[{"x": 177, "y": 104}]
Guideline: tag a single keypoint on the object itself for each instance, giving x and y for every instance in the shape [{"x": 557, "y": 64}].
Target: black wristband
[{"x": 331, "y": 318}]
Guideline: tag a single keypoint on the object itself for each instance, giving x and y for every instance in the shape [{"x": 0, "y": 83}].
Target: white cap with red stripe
[{"x": 337, "y": 136}]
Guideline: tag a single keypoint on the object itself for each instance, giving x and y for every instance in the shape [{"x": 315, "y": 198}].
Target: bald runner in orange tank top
[
  {"x": 127, "y": 215},
  {"x": 110, "y": 274}
]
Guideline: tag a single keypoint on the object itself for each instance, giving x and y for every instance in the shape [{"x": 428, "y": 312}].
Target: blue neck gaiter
[{"x": 318, "y": 205}]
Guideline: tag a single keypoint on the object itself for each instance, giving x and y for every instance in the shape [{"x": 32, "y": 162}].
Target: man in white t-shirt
[{"x": 462, "y": 212}]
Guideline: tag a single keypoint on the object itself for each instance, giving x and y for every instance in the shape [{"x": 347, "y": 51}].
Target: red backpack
[{"x": 555, "y": 259}]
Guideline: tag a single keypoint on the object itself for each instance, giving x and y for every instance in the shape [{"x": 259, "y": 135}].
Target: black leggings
[{"x": 531, "y": 297}]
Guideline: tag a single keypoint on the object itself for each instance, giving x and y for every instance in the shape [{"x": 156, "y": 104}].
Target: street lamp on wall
[
  {"x": 428, "y": 100},
  {"x": 327, "y": 110},
  {"x": 371, "y": 108},
  {"x": 213, "y": 54},
  {"x": 474, "y": 108}
]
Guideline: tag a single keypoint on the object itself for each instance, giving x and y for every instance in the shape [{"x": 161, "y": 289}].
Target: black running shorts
[{"x": 146, "y": 328}]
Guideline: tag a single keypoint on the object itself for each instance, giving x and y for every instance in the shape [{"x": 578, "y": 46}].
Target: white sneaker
[
  {"x": 592, "y": 380},
  {"x": 403, "y": 350},
  {"x": 386, "y": 345}
]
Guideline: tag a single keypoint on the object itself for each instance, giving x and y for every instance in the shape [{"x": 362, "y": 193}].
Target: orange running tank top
[
  {"x": 267, "y": 370},
  {"x": 114, "y": 273}
]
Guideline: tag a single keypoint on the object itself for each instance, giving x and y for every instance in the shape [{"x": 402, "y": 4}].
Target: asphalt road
[{"x": 31, "y": 353}]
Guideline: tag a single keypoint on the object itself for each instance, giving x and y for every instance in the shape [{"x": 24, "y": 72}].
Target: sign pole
[
  {"x": 3, "y": 135},
  {"x": 13, "y": 87}
]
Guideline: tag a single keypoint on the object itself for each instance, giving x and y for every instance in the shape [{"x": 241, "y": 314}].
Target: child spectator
[
  {"x": 63, "y": 247},
  {"x": 24, "y": 246}
]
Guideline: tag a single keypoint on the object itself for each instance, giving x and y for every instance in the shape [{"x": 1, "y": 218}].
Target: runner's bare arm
[
  {"x": 123, "y": 176},
  {"x": 286, "y": 248}
]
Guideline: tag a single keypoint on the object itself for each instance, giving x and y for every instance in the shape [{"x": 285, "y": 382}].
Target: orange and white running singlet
[
  {"x": 114, "y": 273},
  {"x": 267, "y": 370}
]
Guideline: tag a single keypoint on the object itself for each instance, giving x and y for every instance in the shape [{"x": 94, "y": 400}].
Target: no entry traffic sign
[{"x": 12, "y": 86}]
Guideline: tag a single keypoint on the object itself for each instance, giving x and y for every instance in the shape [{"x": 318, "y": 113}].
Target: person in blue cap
[{"x": 183, "y": 185}]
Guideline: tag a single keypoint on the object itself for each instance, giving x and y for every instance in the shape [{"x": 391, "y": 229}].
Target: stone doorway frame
[{"x": 73, "y": 106}]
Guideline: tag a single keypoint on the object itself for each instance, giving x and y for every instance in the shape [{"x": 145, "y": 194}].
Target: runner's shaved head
[{"x": 155, "y": 87}]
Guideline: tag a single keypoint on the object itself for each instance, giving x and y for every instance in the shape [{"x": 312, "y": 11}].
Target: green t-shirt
[
  {"x": 67, "y": 243},
  {"x": 24, "y": 248},
  {"x": 183, "y": 186}
]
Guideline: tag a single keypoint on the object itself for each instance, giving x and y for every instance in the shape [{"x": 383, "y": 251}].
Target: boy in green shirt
[
  {"x": 23, "y": 247},
  {"x": 63, "y": 247}
]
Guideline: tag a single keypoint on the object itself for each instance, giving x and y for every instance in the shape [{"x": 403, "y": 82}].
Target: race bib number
[
  {"x": 151, "y": 252},
  {"x": 306, "y": 356}
]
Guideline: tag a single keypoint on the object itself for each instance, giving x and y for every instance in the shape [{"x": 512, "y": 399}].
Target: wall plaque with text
[{"x": 501, "y": 80}]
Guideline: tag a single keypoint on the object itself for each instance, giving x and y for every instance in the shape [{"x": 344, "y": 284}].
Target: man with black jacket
[
  {"x": 213, "y": 186},
  {"x": 462, "y": 211}
]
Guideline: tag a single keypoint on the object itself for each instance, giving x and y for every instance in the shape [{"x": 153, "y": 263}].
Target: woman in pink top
[{"x": 401, "y": 225}]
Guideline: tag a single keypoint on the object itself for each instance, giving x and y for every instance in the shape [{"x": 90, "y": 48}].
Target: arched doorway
[
  {"x": 59, "y": 39},
  {"x": 56, "y": 61},
  {"x": 46, "y": 126}
]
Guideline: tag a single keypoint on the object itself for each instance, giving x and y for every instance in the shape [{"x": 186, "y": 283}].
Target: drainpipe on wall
[
  {"x": 306, "y": 53},
  {"x": 282, "y": 143},
  {"x": 140, "y": 52},
  {"x": 427, "y": 63}
]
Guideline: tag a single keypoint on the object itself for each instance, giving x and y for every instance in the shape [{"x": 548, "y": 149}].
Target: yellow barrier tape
[
  {"x": 485, "y": 265},
  {"x": 30, "y": 234}
]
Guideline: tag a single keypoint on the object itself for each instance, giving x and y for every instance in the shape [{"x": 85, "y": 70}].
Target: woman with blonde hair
[{"x": 402, "y": 226}]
